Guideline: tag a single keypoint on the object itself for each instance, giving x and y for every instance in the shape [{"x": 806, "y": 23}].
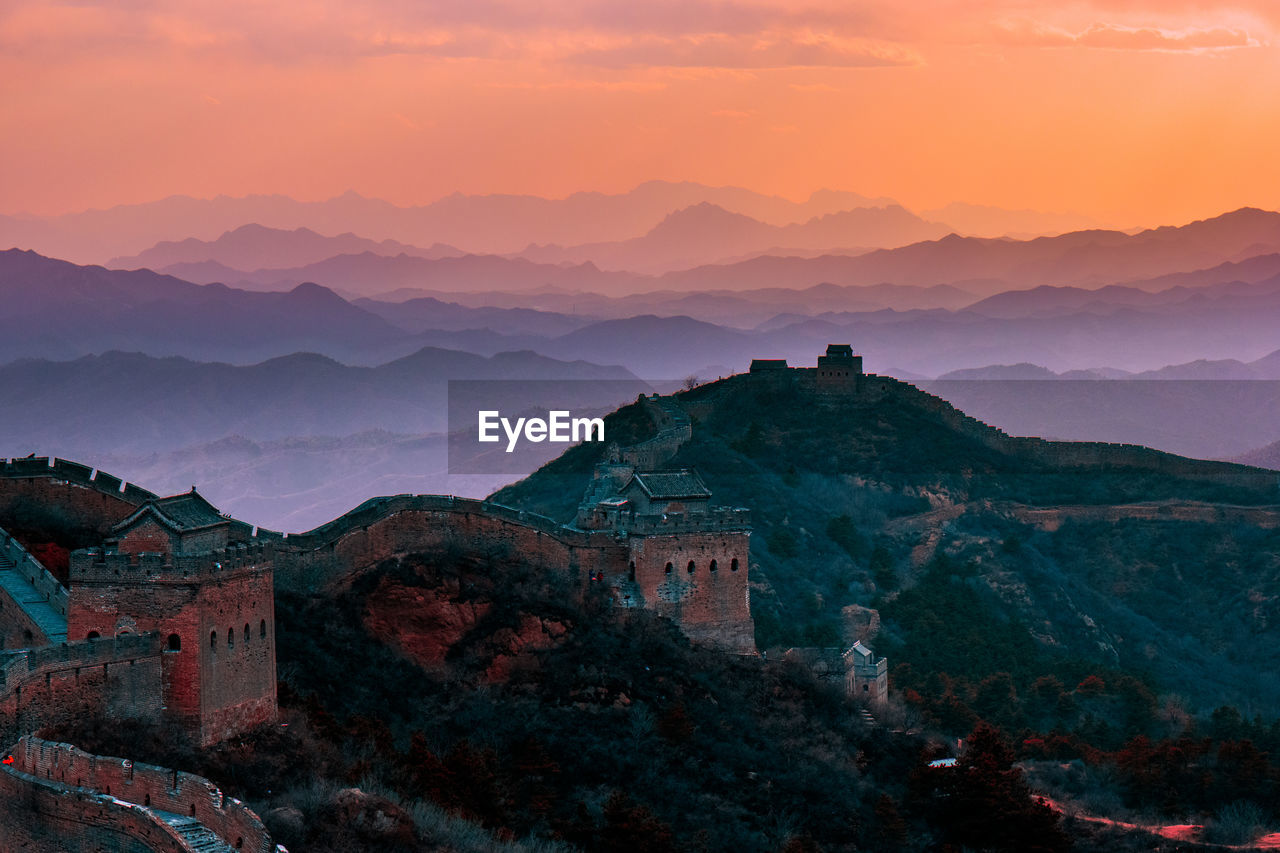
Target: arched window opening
[
  {"x": 733, "y": 566},
  {"x": 146, "y": 801},
  {"x": 669, "y": 568},
  {"x": 175, "y": 643},
  {"x": 691, "y": 567},
  {"x": 93, "y": 635},
  {"x": 193, "y": 808},
  {"x": 246, "y": 633},
  {"x": 631, "y": 570},
  {"x": 713, "y": 566},
  {"x": 231, "y": 637},
  {"x": 262, "y": 629},
  {"x": 213, "y": 640},
  {"x": 27, "y": 636}
]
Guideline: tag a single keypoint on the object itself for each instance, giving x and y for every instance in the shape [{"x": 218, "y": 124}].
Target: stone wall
[
  {"x": 440, "y": 524},
  {"x": 120, "y": 804},
  {"x": 40, "y": 816},
  {"x": 119, "y": 677},
  {"x": 87, "y": 498},
  {"x": 712, "y": 607}
]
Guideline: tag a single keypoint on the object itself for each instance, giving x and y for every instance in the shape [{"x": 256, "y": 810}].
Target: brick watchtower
[
  {"x": 178, "y": 568},
  {"x": 839, "y": 368}
]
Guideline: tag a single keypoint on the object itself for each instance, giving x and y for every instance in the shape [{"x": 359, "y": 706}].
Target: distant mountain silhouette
[
  {"x": 1082, "y": 258},
  {"x": 253, "y": 246},
  {"x": 1263, "y": 457},
  {"x": 133, "y": 403},
  {"x": 425, "y": 313},
  {"x": 706, "y": 233},
  {"x": 1267, "y": 367},
  {"x": 369, "y": 274},
  {"x": 54, "y": 309},
  {"x": 1086, "y": 260},
  {"x": 1002, "y": 371},
  {"x": 1257, "y": 279},
  {"x": 659, "y": 348},
  {"x": 474, "y": 223}
]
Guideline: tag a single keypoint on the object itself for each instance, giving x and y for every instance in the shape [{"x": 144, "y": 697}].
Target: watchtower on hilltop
[{"x": 839, "y": 367}]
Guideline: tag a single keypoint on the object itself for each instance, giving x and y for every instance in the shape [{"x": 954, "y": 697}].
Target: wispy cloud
[{"x": 1110, "y": 36}]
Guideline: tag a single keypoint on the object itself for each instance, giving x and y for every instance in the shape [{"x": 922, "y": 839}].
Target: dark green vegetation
[
  {"x": 619, "y": 736},
  {"x": 1104, "y": 640},
  {"x": 852, "y": 499}
]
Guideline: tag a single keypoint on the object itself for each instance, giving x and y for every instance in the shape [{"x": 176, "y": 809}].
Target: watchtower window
[
  {"x": 246, "y": 633},
  {"x": 231, "y": 638},
  {"x": 713, "y": 566},
  {"x": 669, "y": 568},
  {"x": 213, "y": 640},
  {"x": 93, "y": 635},
  {"x": 691, "y": 567},
  {"x": 175, "y": 643},
  {"x": 262, "y": 629},
  {"x": 733, "y": 566}
]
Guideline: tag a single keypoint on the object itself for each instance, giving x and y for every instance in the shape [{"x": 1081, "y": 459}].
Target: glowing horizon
[{"x": 1131, "y": 112}]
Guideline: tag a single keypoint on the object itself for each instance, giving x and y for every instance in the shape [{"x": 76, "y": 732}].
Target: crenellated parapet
[
  {"x": 113, "y": 799},
  {"x": 72, "y": 473},
  {"x": 116, "y": 676},
  {"x": 102, "y": 566},
  {"x": 20, "y": 667}
]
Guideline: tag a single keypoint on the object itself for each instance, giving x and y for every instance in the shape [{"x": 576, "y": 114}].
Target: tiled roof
[
  {"x": 664, "y": 485},
  {"x": 189, "y": 510}
]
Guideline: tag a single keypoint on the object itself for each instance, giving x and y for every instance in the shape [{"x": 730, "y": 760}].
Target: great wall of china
[
  {"x": 121, "y": 638},
  {"x": 62, "y": 798},
  {"x": 118, "y": 638}
]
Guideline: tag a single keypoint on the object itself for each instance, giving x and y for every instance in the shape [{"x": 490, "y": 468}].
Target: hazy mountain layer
[
  {"x": 706, "y": 234},
  {"x": 479, "y": 223},
  {"x": 252, "y": 247},
  {"x": 135, "y": 404}
]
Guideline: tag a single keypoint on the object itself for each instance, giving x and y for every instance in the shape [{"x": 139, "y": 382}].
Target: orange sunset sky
[{"x": 1132, "y": 111}]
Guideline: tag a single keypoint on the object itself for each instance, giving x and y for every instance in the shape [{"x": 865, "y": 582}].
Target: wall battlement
[
  {"x": 150, "y": 795},
  {"x": 75, "y": 473},
  {"x": 715, "y": 519},
  {"x": 96, "y": 565},
  {"x": 35, "y": 574},
  {"x": 674, "y": 429},
  {"x": 20, "y": 667},
  {"x": 119, "y": 676}
]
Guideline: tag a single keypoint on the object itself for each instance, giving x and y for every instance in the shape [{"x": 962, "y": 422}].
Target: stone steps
[
  {"x": 52, "y": 623},
  {"x": 195, "y": 835}
]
